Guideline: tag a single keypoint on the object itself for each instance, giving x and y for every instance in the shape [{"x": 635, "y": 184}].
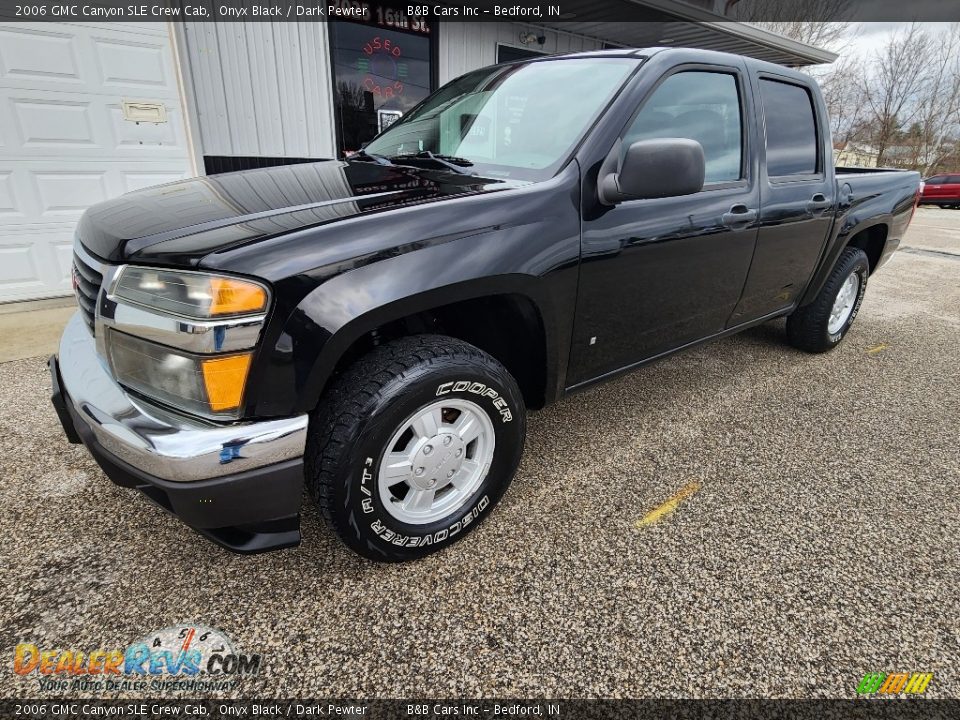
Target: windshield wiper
[
  {"x": 450, "y": 158},
  {"x": 448, "y": 161},
  {"x": 378, "y": 159}
]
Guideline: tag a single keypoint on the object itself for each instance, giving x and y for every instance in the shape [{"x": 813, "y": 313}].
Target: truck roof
[{"x": 692, "y": 54}]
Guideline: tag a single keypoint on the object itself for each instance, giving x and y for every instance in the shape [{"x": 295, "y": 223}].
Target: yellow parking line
[
  {"x": 669, "y": 505},
  {"x": 874, "y": 349}
]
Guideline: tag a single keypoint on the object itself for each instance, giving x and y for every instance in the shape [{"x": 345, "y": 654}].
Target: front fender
[
  {"x": 535, "y": 260},
  {"x": 396, "y": 305}
]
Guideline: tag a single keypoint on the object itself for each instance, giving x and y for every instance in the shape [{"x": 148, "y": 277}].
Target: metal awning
[{"x": 669, "y": 23}]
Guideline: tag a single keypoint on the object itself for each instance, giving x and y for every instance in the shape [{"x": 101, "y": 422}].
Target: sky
[{"x": 865, "y": 37}]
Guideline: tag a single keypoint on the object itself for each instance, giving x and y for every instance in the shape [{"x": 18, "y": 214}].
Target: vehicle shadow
[{"x": 561, "y": 435}]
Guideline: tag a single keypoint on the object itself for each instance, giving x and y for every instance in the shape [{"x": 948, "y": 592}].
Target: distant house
[{"x": 848, "y": 154}]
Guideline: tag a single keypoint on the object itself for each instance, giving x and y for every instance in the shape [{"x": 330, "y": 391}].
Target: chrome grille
[{"x": 87, "y": 280}]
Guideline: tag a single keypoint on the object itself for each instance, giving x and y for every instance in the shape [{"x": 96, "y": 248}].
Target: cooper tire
[
  {"x": 360, "y": 423},
  {"x": 817, "y": 327}
]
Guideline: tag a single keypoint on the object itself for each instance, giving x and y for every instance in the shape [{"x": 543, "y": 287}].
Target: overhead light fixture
[{"x": 528, "y": 38}]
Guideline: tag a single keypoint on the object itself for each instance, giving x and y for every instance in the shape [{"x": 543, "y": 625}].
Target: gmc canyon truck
[{"x": 377, "y": 327}]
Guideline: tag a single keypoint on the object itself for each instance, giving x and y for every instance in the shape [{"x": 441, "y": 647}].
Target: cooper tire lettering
[{"x": 480, "y": 389}]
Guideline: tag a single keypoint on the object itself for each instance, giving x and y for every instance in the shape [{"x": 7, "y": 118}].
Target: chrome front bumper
[{"x": 161, "y": 443}]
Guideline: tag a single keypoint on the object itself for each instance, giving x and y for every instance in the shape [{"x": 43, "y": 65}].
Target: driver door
[{"x": 658, "y": 274}]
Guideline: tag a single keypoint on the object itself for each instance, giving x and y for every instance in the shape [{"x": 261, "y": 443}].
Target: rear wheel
[
  {"x": 413, "y": 445},
  {"x": 822, "y": 324}
]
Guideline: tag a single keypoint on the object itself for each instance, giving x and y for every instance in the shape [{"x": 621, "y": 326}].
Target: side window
[
  {"x": 791, "y": 129},
  {"x": 701, "y": 106},
  {"x": 953, "y": 180},
  {"x": 936, "y": 180}
]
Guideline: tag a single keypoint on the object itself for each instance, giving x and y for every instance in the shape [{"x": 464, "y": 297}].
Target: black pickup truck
[{"x": 377, "y": 328}]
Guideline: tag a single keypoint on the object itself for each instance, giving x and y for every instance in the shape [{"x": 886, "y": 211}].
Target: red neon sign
[{"x": 383, "y": 79}]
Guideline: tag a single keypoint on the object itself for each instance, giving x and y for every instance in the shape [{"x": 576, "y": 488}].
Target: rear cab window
[{"x": 791, "y": 130}]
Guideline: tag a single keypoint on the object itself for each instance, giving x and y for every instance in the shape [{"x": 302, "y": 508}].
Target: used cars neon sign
[{"x": 383, "y": 78}]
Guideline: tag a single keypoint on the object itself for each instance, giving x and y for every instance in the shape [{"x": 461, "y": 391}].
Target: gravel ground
[{"x": 821, "y": 544}]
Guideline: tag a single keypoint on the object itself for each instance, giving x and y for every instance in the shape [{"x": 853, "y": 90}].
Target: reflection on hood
[{"x": 204, "y": 214}]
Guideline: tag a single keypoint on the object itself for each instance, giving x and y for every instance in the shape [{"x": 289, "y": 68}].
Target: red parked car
[{"x": 942, "y": 190}]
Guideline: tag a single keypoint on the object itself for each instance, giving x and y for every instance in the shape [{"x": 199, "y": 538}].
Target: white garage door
[{"x": 64, "y": 140}]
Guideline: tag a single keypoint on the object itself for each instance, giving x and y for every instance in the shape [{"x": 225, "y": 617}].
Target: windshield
[{"x": 511, "y": 121}]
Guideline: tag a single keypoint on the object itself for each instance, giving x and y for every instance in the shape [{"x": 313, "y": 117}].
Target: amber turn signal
[
  {"x": 224, "y": 379},
  {"x": 232, "y": 297}
]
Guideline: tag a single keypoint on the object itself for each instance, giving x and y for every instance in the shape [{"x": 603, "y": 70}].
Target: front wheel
[
  {"x": 822, "y": 324},
  {"x": 413, "y": 445}
]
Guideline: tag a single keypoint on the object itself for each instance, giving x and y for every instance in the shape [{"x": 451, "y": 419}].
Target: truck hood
[{"x": 183, "y": 221}]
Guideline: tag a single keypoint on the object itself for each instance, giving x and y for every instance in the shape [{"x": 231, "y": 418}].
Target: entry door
[
  {"x": 658, "y": 274},
  {"x": 798, "y": 198},
  {"x": 67, "y": 139}
]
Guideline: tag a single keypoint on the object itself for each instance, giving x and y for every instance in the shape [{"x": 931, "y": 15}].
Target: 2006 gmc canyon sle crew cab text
[{"x": 378, "y": 327}]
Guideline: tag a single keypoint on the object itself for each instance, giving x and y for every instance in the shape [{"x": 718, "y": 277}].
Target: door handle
[
  {"x": 739, "y": 216},
  {"x": 818, "y": 203}
]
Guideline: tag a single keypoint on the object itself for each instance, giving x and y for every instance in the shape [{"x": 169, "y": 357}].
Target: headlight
[
  {"x": 184, "y": 338},
  {"x": 192, "y": 294},
  {"x": 206, "y": 385}
]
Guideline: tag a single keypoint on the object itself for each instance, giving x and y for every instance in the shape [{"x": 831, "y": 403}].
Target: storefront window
[{"x": 379, "y": 74}]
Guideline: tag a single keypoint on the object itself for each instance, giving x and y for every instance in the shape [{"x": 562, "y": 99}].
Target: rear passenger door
[{"x": 797, "y": 196}]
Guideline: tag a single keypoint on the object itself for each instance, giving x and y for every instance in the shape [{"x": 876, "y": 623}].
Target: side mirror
[{"x": 663, "y": 167}]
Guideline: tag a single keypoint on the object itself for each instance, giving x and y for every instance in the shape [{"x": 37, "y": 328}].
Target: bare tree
[
  {"x": 938, "y": 112},
  {"x": 893, "y": 85},
  {"x": 825, "y": 35},
  {"x": 842, "y": 87},
  {"x": 823, "y": 23}
]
